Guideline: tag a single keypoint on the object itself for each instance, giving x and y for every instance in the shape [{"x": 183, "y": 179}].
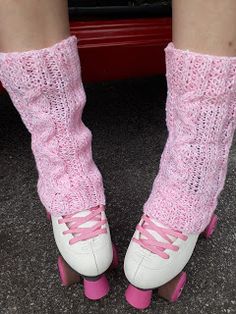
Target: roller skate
[
  {"x": 87, "y": 252},
  {"x": 156, "y": 258}
]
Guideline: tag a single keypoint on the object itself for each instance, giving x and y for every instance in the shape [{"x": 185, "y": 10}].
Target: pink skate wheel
[
  {"x": 179, "y": 287},
  {"x": 207, "y": 233},
  {"x": 67, "y": 274},
  {"x": 48, "y": 216},
  {"x": 115, "y": 261},
  {"x": 172, "y": 290},
  {"x": 140, "y": 299},
  {"x": 96, "y": 289}
]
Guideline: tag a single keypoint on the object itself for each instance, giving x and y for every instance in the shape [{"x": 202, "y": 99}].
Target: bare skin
[
  {"x": 32, "y": 24},
  {"x": 198, "y": 25},
  {"x": 205, "y": 26}
]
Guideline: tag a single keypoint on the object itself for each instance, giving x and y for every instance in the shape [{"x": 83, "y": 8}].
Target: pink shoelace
[
  {"x": 84, "y": 233},
  {"x": 152, "y": 244}
]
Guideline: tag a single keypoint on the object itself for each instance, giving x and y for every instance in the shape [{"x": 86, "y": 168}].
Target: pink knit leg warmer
[
  {"x": 201, "y": 119},
  {"x": 46, "y": 88}
]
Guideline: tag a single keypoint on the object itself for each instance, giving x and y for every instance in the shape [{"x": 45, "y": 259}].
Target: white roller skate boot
[
  {"x": 84, "y": 242},
  {"x": 155, "y": 259}
]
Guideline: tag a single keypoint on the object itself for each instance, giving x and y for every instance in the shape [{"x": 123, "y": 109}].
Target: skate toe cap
[
  {"x": 91, "y": 262},
  {"x": 143, "y": 269}
]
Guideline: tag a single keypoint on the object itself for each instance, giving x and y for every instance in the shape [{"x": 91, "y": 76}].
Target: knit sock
[
  {"x": 46, "y": 88},
  {"x": 200, "y": 117}
]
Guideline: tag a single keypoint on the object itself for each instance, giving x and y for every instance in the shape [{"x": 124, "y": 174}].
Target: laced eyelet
[{"x": 75, "y": 225}]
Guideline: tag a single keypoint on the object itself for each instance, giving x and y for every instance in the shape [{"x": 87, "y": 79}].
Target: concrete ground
[{"x": 128, "y": 122}]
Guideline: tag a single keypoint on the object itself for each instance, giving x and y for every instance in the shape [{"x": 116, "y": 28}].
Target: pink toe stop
[
  {"x": 96, "y": 289},
  {"x": 140, "y": 299},
  {"x": 207, "y": 233},
  {"x": 67, "y": 274}
]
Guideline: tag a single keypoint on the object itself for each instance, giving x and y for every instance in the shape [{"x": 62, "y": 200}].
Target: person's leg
[
  {"x": 207, "y": 27},
  {"x": 40, "y": 69},
  {"x": 201, "y": 119},
  {"x": 200, "y": 73},
  {"x": 32, "y": 24}
]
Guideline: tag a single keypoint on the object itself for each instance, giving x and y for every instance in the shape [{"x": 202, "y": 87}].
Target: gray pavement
[{"x": 128, "y": 123}]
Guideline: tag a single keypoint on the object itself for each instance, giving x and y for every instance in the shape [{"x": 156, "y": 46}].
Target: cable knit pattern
[
  {"x": 201, "y": 119},
  {"x": 46, "y": 88}
]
